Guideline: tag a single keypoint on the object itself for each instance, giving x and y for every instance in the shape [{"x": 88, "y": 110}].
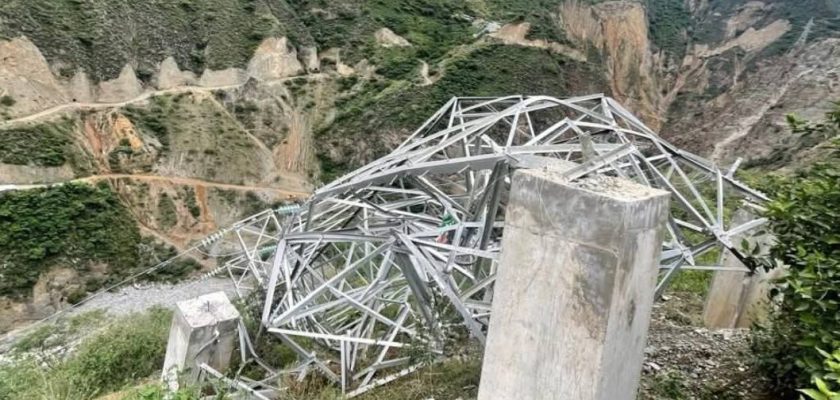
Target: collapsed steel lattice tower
[{"x": 403, "y": 251}]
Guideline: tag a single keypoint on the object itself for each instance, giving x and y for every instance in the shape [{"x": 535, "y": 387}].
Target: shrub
[
  {"x": 7, "y": 101},
  {"x": 129, "y": 350},
  {"x": 46, "y": 145},
  {"x": 806, "y": 223},
  {"x": 132, "y": 349},
  {"x": 71, "y": 224}
]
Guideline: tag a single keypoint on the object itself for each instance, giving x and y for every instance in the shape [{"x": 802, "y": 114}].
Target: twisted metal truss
[{"x": 403, "y": 251}]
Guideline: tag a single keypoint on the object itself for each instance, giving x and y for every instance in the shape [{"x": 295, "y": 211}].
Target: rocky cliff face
[{"x": 198, "y": 114}]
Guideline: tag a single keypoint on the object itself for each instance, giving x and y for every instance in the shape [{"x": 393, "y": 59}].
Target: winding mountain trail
[
  {"x": 145, "y": 96},
  {"x": 297, "y": 191}
]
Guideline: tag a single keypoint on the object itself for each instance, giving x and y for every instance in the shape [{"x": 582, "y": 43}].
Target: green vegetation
[
  {"x": 538, "y": 13},
  {"x": 191, "y": 202},
  {"x": 59, "y": 333},
  {"x": 167, "y": 214},
  {"x": 154, "y": 119},
  {"x": 70, "y": 225},
  {"x": 129, "y": 350},
  {"x": 805, "y": 220},
  {"x": 7, "y": 101},
  {"x": 670, "y": 385},
  {"x": 387, "y": 107},
  {"x": 45, "y": 145},
  {"x": 152, "y": 252},
  {"x": 432, "y": 26},
  {"x": 193, "y": 129},
  {"x": 101, "y": 36},
  {"x": 669, "y": 20},
  {"x": 695, "y": 282}
]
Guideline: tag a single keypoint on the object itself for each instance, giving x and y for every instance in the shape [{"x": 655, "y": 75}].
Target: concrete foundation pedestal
[
  {"x": 737, "y": 299},
  {"x": 574, "y": 290},
  {"x": 204, "y": 330}
]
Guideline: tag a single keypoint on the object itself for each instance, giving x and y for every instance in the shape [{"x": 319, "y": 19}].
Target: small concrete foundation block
[
  {"x": 575, "y": 288},
  {"x": 204, "y": 331},
  {"x": 738, "y": 299}
]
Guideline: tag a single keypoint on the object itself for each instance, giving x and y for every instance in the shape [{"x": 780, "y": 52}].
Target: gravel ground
[
  {"x": 135, "y": 298},
  {"x": 141, "y": 297},
  {"x": 686, "y": 361}
]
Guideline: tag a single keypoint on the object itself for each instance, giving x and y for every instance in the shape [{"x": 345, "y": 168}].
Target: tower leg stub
[
  {"x": 575, "y": 288},
  {"x": 204, "y": 330}
]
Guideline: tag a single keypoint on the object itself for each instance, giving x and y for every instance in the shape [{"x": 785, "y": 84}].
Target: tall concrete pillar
[
  {"x": 204, "y": 330},
  {"x": 737, "y": 299},
  {"x": 574, "y": 290}
]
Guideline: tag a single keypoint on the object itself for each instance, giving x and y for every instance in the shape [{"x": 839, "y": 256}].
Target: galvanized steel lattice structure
[{"x": 401, "y": 252}]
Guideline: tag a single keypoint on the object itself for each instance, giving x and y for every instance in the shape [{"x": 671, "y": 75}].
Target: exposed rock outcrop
[
  {"x": 619, "y": 31},
  {"x": 309, "y": 55},
  {"x": 275, "y": 58},
  {"x": 387, "y": 38},
  {"x": 752, "y": 40},
  {"x": 752, "y": 113},
  {"x": 124, "y": 87},
  {"x": 80, "y": 88},
  {"x": 516, "y": 34},
  {"x": 25, "y": 76},
  {"x": 171, "y": 76},
  {"x": 225, "y": 77}
]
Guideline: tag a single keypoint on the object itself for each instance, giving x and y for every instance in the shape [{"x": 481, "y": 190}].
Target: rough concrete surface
[
  {"x": 574, "y": 290},
  {"x": 203, "y": 330}
]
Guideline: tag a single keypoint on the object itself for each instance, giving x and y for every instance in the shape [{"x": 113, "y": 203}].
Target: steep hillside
[{"x": 191, "y": 114}]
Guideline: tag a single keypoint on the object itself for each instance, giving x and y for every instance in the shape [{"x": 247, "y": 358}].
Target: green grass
[
  {"x": 51, "y": 335},
  {"x": 44, "y": 145},
  {"x": 692, "y": 281},
  {"x": 71, "y": 225},
  {"x": 129, "y": 350}
]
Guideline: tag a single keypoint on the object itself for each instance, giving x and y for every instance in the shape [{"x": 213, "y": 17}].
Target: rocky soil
[
  {"x": 683, "y": 360},
  {"x": 133, "y": 299}
]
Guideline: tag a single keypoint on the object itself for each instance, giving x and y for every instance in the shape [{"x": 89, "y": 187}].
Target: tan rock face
[
  {"x": 52, "y": 288},
  {"x": 275, "y": 58},
  {"x": 748, "y": 16},
  {"x": 309, "y": 55},
  {"x": 752, "y": 40},
  {"x": 225, "y": 77},
  {"x": 171, "y": 76},
  {"x": 387, "y": 38},
  {"x": 26, "y": 77},
  {"x": 48, "y": 296},
  {"x": 124, "y": 87},
  {"x": 26, "y": 174},
  {"x": 80, "y": 88},
  {"x": 752, "y": 114},
  {"x": 619, "y": 30},
  {"x": 516, "y": 34}
]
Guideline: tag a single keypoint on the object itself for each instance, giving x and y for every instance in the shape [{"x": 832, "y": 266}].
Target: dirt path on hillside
[
  {"x": 298, "y": 189},
  {"x": 145, "y": 96}
]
